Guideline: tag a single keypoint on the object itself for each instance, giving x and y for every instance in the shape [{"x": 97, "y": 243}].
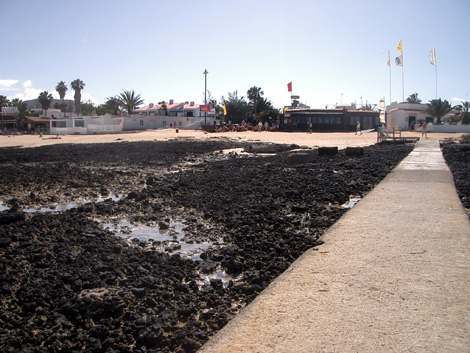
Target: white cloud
[
  {"x": 32, "y": 93},
  {"x": 7, "y": 85}
]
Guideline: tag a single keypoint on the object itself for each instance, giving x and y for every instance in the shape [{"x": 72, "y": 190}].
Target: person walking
[{"x": 358, "y": 128}]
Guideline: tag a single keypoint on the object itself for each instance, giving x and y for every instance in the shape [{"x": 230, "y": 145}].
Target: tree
[
  {"x": 254, "y": 95},
  {"x": 129, "y": 101},
  {"x": 214, "y": 104},
  {"x": 45, "y": 99},
  {"x": 4, "y": 102},
  {"x": 111, "y": 106},
  {"x": 164, "y": 107},
  {"x": 77, "y": 86},
  {"x": 438, "y": 108},
  {"x": 464, "y": 112},
  {"x": 21, "y": 106},
  {"x": 61, "y": 88},
  {"x": 88, "y": 108},
  {"x": 237, "y": 108},
  {"x": 413, "y": 98}
]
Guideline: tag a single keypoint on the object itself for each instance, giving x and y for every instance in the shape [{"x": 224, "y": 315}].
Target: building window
[
  {"x": 338, "y": 120},
  {"x": 141, "y": 123},
  {"x": 353, "y": 120},
  {"x": 164, "y": 123},
  {"x": 79, "y": 123},
  {"x": 59, "y": 124}
]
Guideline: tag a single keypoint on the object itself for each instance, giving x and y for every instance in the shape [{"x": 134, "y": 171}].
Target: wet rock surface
[{"x": 68, "y": 283}]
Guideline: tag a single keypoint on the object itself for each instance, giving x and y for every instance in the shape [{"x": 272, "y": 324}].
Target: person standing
[{"x": 425, "y": 128}]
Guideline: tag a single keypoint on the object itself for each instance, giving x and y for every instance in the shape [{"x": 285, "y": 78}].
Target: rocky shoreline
[{"x": 76, "y": 278}]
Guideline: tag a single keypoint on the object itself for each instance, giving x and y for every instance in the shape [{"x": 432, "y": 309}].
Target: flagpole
[
  {"x": 435, "y": 69},
  {"x": 390, "y": 72},
  {"x": 402, "y": 77}
]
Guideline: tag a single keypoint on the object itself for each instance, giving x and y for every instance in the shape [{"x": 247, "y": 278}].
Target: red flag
[
  {"x": 205, "y": 108},
  {"x": 289, "y": 86}
]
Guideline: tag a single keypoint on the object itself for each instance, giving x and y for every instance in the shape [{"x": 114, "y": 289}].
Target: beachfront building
[
  {"x": 187, "y": 115},
  {"x": 409, "y": 116},
  {"x": 406, "y": 116},
  {"x": 339, "y": 119},
  {"x": 8, "y": 119},
  {"x": 78, "y": 124}
]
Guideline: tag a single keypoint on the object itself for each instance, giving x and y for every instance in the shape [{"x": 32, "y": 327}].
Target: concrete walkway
[{"x": 392, "y": 276}]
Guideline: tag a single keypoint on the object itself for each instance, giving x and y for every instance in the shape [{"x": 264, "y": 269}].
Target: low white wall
[
  {"x": 67, "y": 130},
  {"x": 452, "y": 128},
  {"x": 92, "y": 128}
]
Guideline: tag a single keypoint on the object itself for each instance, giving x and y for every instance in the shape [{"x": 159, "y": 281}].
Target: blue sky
[{"x": 332, "y": 51}]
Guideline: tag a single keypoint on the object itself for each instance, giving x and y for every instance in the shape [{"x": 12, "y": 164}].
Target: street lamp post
[{"x": 205, "y": 95}]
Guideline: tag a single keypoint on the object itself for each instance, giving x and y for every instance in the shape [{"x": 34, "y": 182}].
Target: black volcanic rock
[{"x": 67, "y": 284}]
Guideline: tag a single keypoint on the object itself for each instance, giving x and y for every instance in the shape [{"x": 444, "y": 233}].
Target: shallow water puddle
[{"x": 169, "y": 240}]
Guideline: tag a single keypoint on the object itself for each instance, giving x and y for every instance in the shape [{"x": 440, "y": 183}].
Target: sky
[{"x": 334, "y": 52}]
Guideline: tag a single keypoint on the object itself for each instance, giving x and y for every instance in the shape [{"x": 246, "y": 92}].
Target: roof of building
[
  {"x": 37, "y": 119},
  {"x": 170, "y": 107}
]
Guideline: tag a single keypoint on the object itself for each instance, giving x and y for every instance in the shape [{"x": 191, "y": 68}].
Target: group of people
[{"x": 244, "y": 126}]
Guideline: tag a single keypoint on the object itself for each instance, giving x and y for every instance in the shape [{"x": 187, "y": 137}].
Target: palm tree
[
  {"x": 254, "y": 95},
  {"x": 464, "y": 112},
  {"x": 45, "y": 99},
  {"x": 21, "y": 106},
  {"x": 129, "y": 101},
  {"x": 413, "y": 98},
  {"x": 61, "y": 88},
  {"x": 439, "y": 108},
  {"x": 77, "y": 86}
]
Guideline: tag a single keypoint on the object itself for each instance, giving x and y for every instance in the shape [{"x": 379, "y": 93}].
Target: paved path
[{"x": 392, "y": 276}]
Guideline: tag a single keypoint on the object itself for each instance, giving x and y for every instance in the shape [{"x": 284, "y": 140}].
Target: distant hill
[{"x": 34, "y": 103}]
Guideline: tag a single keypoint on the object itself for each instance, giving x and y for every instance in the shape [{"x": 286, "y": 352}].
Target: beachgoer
[
  {"x": 260, "y": 126},
  {"x": 309, "y": 128},
  {"x": 266, "y": 125},
  {"x": 358, "y": 128},
  {"x": 424, "y": 127}
]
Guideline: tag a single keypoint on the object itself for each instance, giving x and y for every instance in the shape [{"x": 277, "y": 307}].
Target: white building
[
  {"x": 407, "y": 116},
  {"x": 170, "y": 115},
  {"x": 186, "y": 115}
]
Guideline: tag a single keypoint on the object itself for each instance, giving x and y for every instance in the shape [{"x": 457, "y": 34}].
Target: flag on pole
[
  {"x": 225, "y": 109},
  {"x": 399, "y": 60},
  {"x": 432, "y": 57},
  {"x": 400, "y": 47},
  {"x": 388, "y": 60},
  {"x": 205, "y": 107},
  {"x": 289, "y": 87}
]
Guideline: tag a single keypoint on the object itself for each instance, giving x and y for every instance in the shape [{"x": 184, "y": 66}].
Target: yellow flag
[
  {"x": 399, "y": 47},
  {"x": 225, "y": 109}
]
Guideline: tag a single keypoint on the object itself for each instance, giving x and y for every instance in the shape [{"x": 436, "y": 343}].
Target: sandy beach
[{"x": 341, "y": 140}]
